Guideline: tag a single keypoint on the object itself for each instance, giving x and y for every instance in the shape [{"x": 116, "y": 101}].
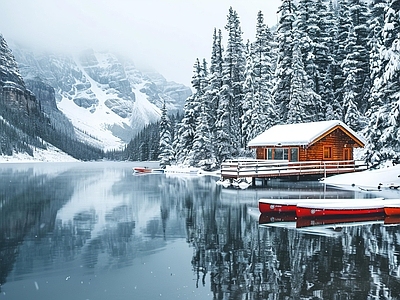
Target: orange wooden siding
[{"x": 337, "y": 140}]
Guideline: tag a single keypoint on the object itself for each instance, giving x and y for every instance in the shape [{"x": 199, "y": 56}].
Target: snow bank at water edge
[
  {"x": 52, "y": 154},
  {"x": 386, "y": 177}
]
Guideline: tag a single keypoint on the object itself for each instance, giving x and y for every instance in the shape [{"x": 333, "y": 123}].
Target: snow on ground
[
  {"x": 52, "y": 154},
  {"x": 386, "y": 177}
]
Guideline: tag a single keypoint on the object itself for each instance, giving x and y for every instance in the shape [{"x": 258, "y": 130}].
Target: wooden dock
[{"x": 236, "y": 169}]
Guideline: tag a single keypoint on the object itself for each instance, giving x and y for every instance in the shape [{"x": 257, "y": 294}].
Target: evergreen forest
[{"x": 325, "y": 60}]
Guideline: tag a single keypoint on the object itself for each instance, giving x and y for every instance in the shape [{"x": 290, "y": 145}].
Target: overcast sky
[{"x": 167, "y": 35}]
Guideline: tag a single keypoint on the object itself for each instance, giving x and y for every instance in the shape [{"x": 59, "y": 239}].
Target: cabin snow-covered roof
[{"x": 301, "y": 134}]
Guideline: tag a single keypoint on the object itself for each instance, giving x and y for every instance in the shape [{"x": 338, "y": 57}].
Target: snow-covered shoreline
[
  {"x": 385, "y": 177},
  {"x": 52, "y": 154},
  {"x": 373, "y": 179}
]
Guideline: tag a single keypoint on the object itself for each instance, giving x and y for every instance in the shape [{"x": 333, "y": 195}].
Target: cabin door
[{"x": 347, "y": 154}]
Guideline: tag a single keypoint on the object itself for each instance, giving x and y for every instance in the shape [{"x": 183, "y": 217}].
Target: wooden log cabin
[
  {"x": 297, "y": 150},
  {"x": 315, "y": 141}
]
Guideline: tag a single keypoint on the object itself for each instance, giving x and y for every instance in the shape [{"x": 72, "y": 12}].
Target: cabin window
[
  {"x": 278, "y": 154},
  {"x": 327, "y": 152},
  {"x": 294, "y": 154},
  {"x": 269, "y": 153},
  {"x": 291, "y": 154},
  {"x": 281, "y": 154}
]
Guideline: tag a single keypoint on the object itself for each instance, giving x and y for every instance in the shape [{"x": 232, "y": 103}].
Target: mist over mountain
[
  {"x": 24, "y": 126},
  {"x": 81, "y": 105},
  {"x": 103, "y": 95}
]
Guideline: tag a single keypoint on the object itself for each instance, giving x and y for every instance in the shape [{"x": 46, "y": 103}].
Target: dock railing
[{"x": 278, "y": 168}]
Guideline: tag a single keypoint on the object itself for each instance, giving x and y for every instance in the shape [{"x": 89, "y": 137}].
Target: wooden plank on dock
[{"x": 270, "y": 168}]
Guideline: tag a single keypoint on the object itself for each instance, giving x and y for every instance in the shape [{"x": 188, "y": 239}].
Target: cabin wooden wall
[
  {"x": 337, "y": 140},
  {"x": 260, "y": 153}
]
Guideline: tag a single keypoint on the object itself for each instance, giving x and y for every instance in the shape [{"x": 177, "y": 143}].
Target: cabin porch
[{"x": 259, "y": 169}]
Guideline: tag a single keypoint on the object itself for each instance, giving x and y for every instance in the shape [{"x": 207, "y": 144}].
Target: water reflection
[{"x": 103, "y": 225}]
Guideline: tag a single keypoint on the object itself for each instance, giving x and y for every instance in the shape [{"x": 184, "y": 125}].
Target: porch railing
[{"x": 279, "y": 168}]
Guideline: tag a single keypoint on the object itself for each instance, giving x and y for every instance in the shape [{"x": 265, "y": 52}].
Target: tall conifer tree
[
  {"x": 258, "y": 106},
  {"x": 166, "y": 152},
  {"x": 232, "y": 80},
  {"x": 284, "y": 72},
  {"x": 384, "y": 133}
]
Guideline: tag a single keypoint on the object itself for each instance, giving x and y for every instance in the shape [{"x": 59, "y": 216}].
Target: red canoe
[
  {"x": 141, "y": 170},
  {"x": 341, "y": 208},
  {"x": 392, "y": 207},
  {"x": 288, "y": 206},
  {"x": 278, "y": 205}
]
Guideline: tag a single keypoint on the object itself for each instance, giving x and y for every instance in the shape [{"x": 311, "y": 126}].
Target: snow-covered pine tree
[
  {"x": 375, "y": 39},
  {"x": 343, "y": 25},
  {"x": 215, "y": 79},
  {"x": 166, "y": 152},
  {"x": 306, "y": 38},
  {"x": 232, "y": 79},
  {"x": 284, "y": 72},
  {"x": 303, "y": 99},
  {"x": 359, "y": 15},
  {"x": 333, "y": 109},
  {"x": 259, "y": 111},
  {"x": 315, "y": 25},
  {"x": 376, "y": 101},
  {"x": 350, "y": 90},
  {"x": 352, "y": 53},
  {"x": 202, "y": 152},
  {"x": 191, "y": 113},
  {"x": 249, "y": 109},
  {"x": 384, "y": 137}
]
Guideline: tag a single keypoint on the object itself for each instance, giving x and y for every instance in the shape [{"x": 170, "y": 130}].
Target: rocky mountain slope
[
  {"x": 25, "y": 129},
  {"x": 104, "y": 99}
]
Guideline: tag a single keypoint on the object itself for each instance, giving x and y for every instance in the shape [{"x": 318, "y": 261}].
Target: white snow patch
[
  {"x": 382, "y": 178},
  {"x": 143, "y": 107},
  {"x": 52, "y": 154},
  {"x": 94, "y": 124}
]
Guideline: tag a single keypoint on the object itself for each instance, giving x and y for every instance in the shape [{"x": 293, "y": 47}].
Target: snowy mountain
[
  {"x": 105, "y": 97},
  {"x": 24, "y": 129}
]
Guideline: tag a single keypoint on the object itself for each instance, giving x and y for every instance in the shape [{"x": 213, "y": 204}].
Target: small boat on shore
[
  {"x": 142, "y": 170},
  {"x": 392, "y": 207},
  {"x": 278, "y": 205},
  {"x": 290, "y": 205},
  {"x": 341, "y": 208}
]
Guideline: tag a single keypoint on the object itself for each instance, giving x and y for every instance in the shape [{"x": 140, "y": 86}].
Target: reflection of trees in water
[
  {"x": 232, "y": 253},
  {"x": 28, "y": 207},
  {"x": 246, "y": 261}
]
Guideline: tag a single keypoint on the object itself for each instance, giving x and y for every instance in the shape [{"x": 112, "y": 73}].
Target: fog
[{"x": 165, "y": 35}]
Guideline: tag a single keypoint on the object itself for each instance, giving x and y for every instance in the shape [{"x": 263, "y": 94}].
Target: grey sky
[{"x": 167, "y": 35}]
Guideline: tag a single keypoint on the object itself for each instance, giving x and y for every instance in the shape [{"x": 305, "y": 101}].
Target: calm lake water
[{"x": 97, "y": 231}]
